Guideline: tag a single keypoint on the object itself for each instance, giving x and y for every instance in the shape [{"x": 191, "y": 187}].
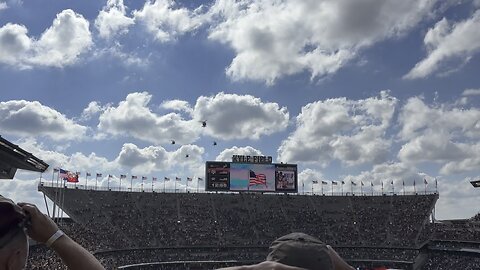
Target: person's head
[
  {"x": 305, "y": 251},
  {"x": 300, "y": 250},
  {"x": 13, "y": 240}
]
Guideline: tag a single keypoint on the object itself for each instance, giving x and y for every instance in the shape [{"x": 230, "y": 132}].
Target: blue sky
[{"x": 361, "y": 91}]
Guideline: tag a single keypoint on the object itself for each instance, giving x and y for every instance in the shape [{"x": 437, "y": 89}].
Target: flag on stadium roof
[
  {"x": 425, "y": 181},
  {"x": 189, "y": 179},
  {"x": 166, "y": 179},
  {"x": 343, "y": 182},
  {"x": 314, "y": 181},
  {"x": 200, "y": 179},
  {"x": 362, "y": 183},
  {"x": 99, "y": 175},
  {"x": 110, "y": 176},
  {"x": 89, "y": 174},
  {"x": 71, "y": 177},
  {"x": 178, "y": 178},
  {"x": 144, "y": 178},
  {"x": 56, "y": 169},
  {"x": 391, "y": 182},
  {"x": 324, "y": 183},
  {"x": 154, "y": 178},
  {"x": 122, "y": 176},
  {"x": 371, "y": 183},
  {"x": 134, "y": 177},
  {"x": 63, "y": 174},
  {"x": 334, "y": 183},
  {"x": 353, "y": 183}
]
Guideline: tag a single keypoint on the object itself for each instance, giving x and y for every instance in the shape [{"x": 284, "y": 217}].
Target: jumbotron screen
[{"x": 229, "y": 176}]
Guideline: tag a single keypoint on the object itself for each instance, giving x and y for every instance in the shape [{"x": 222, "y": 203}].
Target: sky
[{"x": 364, "y": 91}]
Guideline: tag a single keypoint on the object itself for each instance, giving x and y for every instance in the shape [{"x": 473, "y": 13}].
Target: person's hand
[
  {"x": 41, "y": 227},
  {"x": 267, "y": 265}
]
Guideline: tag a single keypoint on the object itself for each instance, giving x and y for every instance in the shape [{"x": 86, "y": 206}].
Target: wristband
[{"x": 54, "y": 238}]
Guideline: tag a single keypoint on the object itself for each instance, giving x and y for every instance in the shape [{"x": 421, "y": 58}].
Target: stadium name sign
[{"x": 252, "y": 159}]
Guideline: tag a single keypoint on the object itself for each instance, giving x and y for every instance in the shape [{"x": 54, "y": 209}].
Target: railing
[{"x": 194, "y": 189}]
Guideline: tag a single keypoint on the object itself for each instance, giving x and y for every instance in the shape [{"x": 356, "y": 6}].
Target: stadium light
[{"x": 475, "y": 184}]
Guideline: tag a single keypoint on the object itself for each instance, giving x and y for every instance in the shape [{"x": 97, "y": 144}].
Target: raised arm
[{"x": 43, "y": 229}]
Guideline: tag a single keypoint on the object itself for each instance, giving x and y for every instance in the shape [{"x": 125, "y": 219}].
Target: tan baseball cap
[{"x": 300, "y": 250}]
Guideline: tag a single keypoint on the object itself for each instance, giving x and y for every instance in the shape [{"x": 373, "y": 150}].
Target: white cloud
[
  {"x": 59, "y": 46},
  {"x": 176, "y": 105},
  {"x": 348, "y": 130},
  {"x": 471, "y": 92},
  {"x": 226, "y": 154},
  {"x": 31, "y": 119},
  {"x": 446, "y": 42},
  {"x": 156, "y": 158},
  {"x": 112, "y": 19},
  {"x": 92, "y": 109},
  {"x": 3, "y": 6},
  {"x": 133, "y": 117},
  {"x": 64, "y": 41},
  {"x": 435, "y": 134},
  {"x": 272, "y": 39},
  {"x": 166, "y": 21},
  {"x": 232, "y": 116},
  {"x": 14, "y": 43}
]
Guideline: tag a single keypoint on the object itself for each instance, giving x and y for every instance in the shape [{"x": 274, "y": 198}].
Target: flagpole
[
  {"x": 371, "y": 187},
  {"x": 393, "y": 187},
  {"x": 403, "y": 183},
  {"x": 186, "y": 187},
  {"x": 152, "y": 184},
  {"x": 198, "y": 180},
  {"x": 414, "y": 187},
  {"x": 96, "y": 181},
  {"x": 53, "y": 174},
  {"x": 382, "y": 187},
  {"x": 361, "y": 188},
  {"x": 436, "y": 186},
  {"x": 332, "y": 188},
  {"x": 175, "y": 184},
  {"x": 120, "y": 186},
  {"x": 86, "y": 181},
  {"x": 351, "y": 186},
  {"x": 342, "y": 186},
  {"x": 164, "y": 182},
  {"x": 108, "y": 182}
]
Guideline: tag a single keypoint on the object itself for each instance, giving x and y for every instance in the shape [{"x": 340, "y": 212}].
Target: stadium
[
  {"x": 246, "y": 204},
  {"x": 164, "y": 229}
]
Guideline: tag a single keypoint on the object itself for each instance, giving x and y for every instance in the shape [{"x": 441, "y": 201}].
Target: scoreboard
[{"x": 233, "y": 176}]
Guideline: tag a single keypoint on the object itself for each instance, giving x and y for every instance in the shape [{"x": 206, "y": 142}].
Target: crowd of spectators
[{"x": 130, "y": 227}]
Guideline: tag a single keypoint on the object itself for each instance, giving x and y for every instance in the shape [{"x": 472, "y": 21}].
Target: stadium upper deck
[{"x": 142, "y": 219}]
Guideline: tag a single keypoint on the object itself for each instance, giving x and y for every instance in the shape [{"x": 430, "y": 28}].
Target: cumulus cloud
[
  {"x": 226, "y": 154},
  {"x": 471, "y": 92},
  {"x": 434, "y": 133},
  {"x": 272, "y": 39},
  {"x": 165, "y": 21},
  {"x": 14, "y": 43},
  {"x": 112, "y": 19},
  {"x": 3, "y": 6},
  {"x": 447, "y": 41},
  {"x": 133, "y": 117},
  {"x": 177, "y": 105},
  {"x": 31, "y": 118},
  {"x": 351, "y": 131},
  {"x": 92, "y": 109},
  {"x": 156, "y": 158},
  {"x": 232, "y": 116},
  {"x": 60, "y": 45}
]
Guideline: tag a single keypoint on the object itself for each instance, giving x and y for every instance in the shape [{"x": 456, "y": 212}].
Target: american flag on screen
[{"x": 257, "y": 179}]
